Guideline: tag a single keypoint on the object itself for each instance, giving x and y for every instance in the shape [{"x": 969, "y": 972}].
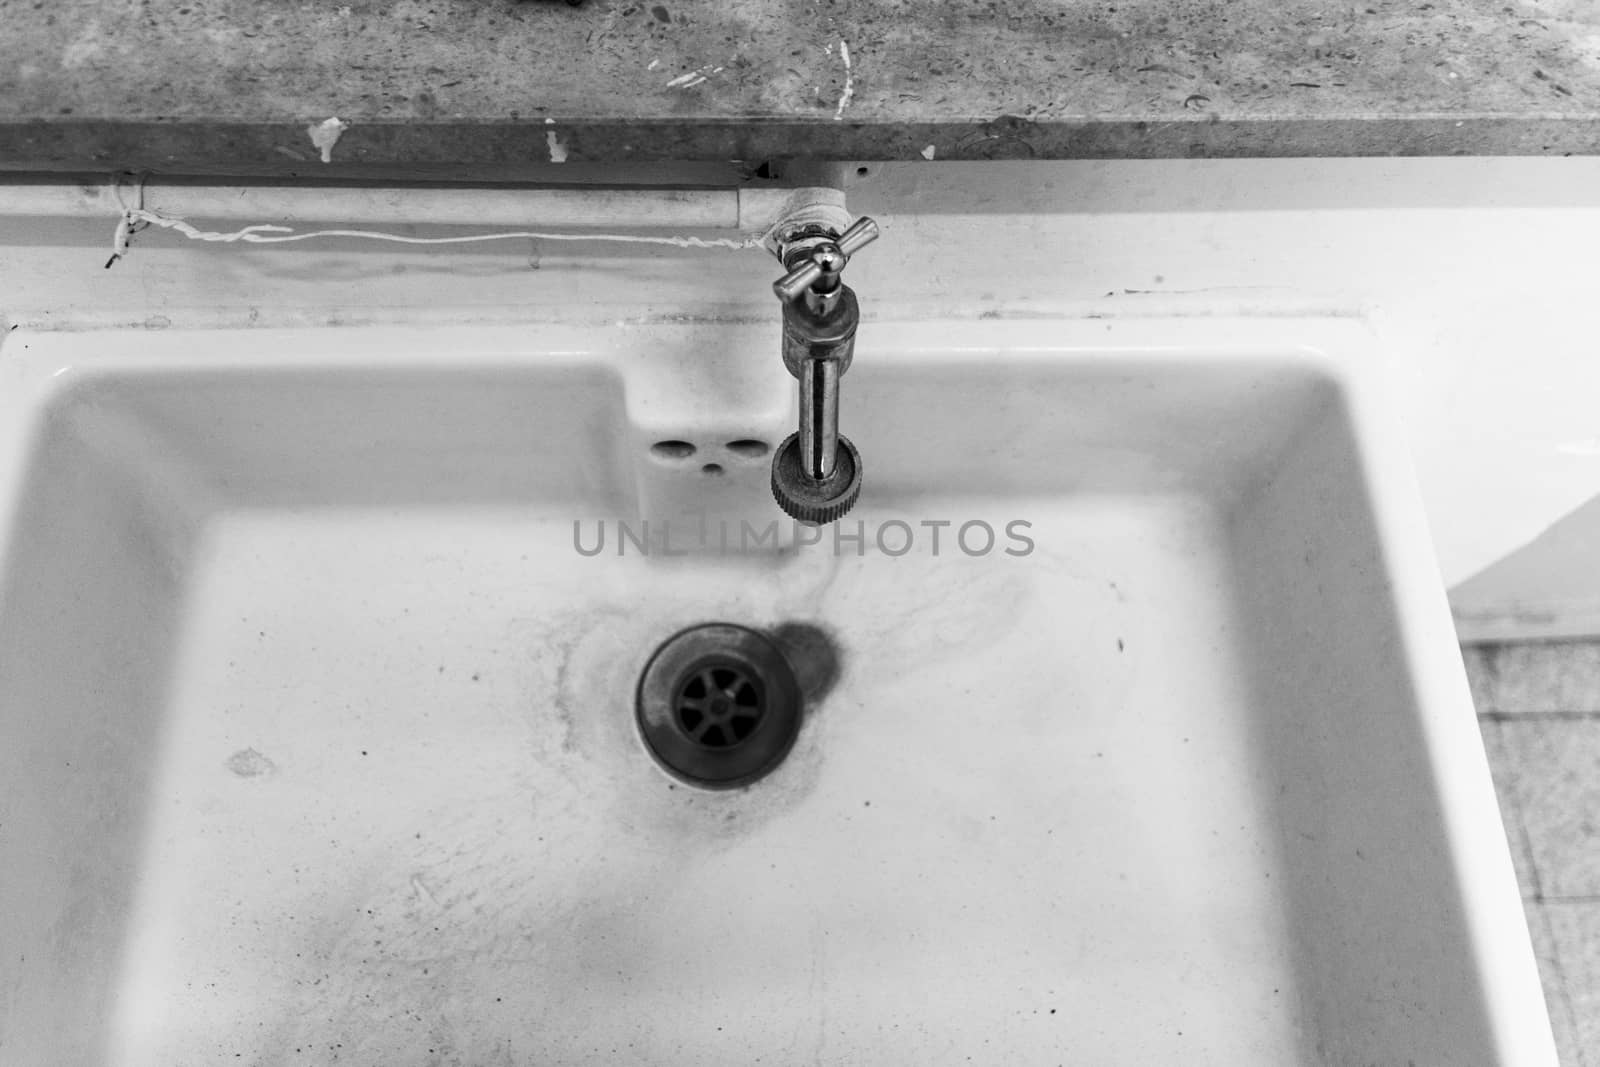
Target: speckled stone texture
[
  {"x": 1539, "y": 708},
  {"x": 217, "y": 85},
  {"x": 1564, "y": 1016}
]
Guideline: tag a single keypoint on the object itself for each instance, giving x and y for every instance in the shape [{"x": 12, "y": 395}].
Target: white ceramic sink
[{"x": 319, "y": 740}]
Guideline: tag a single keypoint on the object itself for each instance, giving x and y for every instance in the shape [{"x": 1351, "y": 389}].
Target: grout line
[
  {"x": 1489, "y": 664},
  {"x": 1540, "y": 716}
]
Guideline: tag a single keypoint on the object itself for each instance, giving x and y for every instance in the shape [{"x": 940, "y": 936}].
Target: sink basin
[{"x": 319, "y": 655}]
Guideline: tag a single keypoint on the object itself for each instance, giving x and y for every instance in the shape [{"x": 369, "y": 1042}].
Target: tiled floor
[{"x": 1539, "y": 708}]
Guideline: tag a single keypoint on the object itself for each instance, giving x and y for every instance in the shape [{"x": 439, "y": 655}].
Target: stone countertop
[{"x": 461, "y": 87}]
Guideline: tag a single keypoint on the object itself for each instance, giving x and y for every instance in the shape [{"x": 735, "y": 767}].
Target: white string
[
  {"x": 138, "y": 217},
  {"x": 127, "y": 224},
  {"x": 267, "y": 233}
]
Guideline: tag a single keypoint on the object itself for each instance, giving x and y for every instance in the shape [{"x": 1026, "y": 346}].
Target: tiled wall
[{"x": 1539, "y": 709}]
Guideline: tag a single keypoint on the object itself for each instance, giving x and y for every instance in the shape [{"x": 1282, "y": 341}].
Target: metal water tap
[{"x": 816, "y": 473}]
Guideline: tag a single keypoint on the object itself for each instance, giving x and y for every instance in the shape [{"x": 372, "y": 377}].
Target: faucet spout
[
  {"x": 819, "y": 417},
  {"x": 816, "y": 472}
]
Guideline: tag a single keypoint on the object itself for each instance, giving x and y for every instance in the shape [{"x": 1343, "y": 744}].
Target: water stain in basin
[
  {"x": 583, "y": 732},
  {"x": 813, "y": 653},
  {"x": 248, "y": 763},
  {"x": 556, "y": 876}
]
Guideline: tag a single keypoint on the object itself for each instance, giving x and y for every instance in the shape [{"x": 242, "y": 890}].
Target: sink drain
[{"x": 719, "y": 705}]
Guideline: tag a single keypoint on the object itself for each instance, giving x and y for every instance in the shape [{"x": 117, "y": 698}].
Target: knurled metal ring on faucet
[{"x": 812, "y": 500}]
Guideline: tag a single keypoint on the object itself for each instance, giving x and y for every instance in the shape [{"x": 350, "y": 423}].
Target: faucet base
[{"x": 815, "y": 500}]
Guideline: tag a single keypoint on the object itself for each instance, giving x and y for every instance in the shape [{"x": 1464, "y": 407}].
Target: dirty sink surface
[{"x": 320, "y": 741}]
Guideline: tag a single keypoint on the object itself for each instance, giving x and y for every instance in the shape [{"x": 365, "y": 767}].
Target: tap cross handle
[{"x": 826, "y": 261}]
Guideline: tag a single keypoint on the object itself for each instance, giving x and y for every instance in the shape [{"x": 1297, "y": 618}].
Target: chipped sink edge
[{"x": 325, "y": 134}]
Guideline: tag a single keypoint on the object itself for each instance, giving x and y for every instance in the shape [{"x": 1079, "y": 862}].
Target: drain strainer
[{"x": 719, "y": 705}]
